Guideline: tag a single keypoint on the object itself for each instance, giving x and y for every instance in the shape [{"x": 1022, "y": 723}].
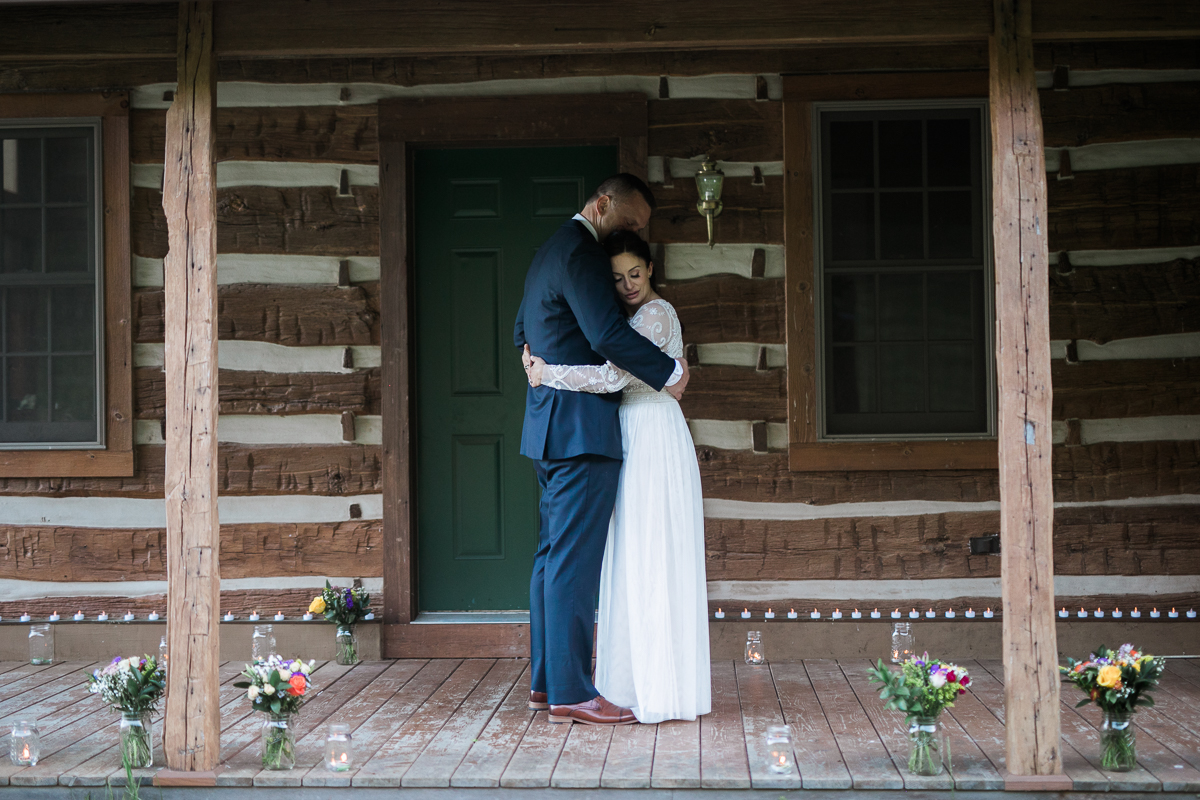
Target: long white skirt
[{"x": 652, "y": 646}]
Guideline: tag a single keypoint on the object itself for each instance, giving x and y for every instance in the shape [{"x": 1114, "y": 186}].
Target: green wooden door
[{"x": 481, "y": 214}]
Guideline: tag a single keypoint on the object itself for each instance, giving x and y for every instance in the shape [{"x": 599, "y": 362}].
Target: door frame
[{"x": 405, "y": 125}]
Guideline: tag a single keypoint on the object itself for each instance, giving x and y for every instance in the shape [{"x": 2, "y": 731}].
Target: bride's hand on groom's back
[{"x": 676, "y": 389}]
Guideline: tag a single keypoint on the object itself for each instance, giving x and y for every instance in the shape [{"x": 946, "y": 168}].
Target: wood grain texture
[
  {"x": 455, "y": 641},
  {"x": 1118, "y": 209},
  {"x": 307, "y": 220},
  {"x": 1122, "y": 389},
  {"x": 799, "y": 282},
  {"x": 270, "y": 392},
  {"x": 752, "y": 214},
  {"x": 724, "y": 392},
  {"x": 912, "y": 455},
  {"x": 277, "y": 313},
  {"x": 728, "y": 309},
  {"x": 1089, "y": 55},
  {"x": 821, "y": 766},
  {"x": 1106, "y": 303},
  {"x": 1119, "y": 112},
  {"x": 724, "y": 130},
  {"x": 884, "y": 86}
]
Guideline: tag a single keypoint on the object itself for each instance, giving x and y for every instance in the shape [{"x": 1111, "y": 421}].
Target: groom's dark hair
[{"x": 622, "y": 186}]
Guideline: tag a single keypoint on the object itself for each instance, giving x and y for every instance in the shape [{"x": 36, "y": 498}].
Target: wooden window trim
[
  {"x": 407, "y": 124},
  {"x": 805, "y": 452},
  {"x": 116, "y": 459}
]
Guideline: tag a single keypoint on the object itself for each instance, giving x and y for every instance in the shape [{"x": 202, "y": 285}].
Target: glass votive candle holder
[
  {"x": 41, "y": 643},
  {"x": 903, "y": 643},
  {"x": 262, "y": 642},
  {"x": 24, "y": 744},
  {"x": 754, "y": 648},
  {"x": 779, "y": 749},
  {"x": 339, "y": 752},
  {"x": 163, "y": 653}
]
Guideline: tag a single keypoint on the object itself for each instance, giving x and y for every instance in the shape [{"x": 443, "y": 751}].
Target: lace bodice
[{"x": 657, "y": 321}]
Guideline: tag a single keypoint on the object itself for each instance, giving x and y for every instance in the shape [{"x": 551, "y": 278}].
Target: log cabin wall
[{"x": 298, "y": 234}]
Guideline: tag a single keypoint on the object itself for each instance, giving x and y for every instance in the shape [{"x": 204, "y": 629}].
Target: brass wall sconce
[{"x": 709, "y": 181}]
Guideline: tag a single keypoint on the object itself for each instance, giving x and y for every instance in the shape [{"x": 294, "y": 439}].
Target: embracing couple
[{"x": 621, "y": 512}]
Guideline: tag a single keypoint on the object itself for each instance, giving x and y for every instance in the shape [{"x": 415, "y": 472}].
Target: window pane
[
  {"x": 25, "y": 320},
  {"x": 74, "y": 388},
  {"x": 21, "y": 239},
  {"x": 71, "y": 309},
  {"x": 20, "y": 170},
  {"x": 900, "y": 153},
  {"x": 953, "y": 296},
  {"x": 901, "y": 232},
  {"x": 853, "y": 373},
  {"x": 853, "y": 227},
  {"x": 950, "y": 228},
  {"x": 851, "y": 155},
  {"x": 902, "y": 378},
  {"x": 853, "y": 307},
  {"x": 952, "y": 377},
  {"x": 900, "y": 302},
  {"x": 950, "y": 152},
  {"x": 67, "y": 169},
  {"x": 67, "y": 240},
  {"x": 26, "y": 389}
]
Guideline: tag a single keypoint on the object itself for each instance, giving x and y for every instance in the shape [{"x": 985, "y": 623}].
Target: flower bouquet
[
  {"x": 132, "y": 686},
  {"x": 343, "y": 607},
  {"x": 1118, "y": 682},
  {"x": 921, "y": 689},
  {"x": 277, "y": 687}
]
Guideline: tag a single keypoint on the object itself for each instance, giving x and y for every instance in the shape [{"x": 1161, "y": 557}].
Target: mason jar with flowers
[
  {"x": 344, "y": 608},
  {"x": 921, "y": 689},
  {"x": 132, "y": 686},
  {"x": 277, "y": 687},
  {"x": 1118, "y": 681}
]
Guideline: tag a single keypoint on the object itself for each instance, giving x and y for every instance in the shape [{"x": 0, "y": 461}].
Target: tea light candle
[
  {"x": 25, "y": 618},
  {"x": 228, "y": 617},
  {"x": 54, "y": 617},
  {"x": 153, "y": 617},
  {"x": 128, "y": 616},
  {"x": 836, "y": 614},
  {"x": 1098, "y": 614},
  {"x": 307, "y": 616},
  {"x": 914, "y": 614},
  {"x": 793, "y": 615},
  {"x": 1081, "y": 614},
  {"x": 745, "y": 613},
  {"x": 856, "y": 614},
  {"x": 1062, "y": 612},
  {"x": 1191, "y": 614},
  {"x": 338, "y": 752},
  {"x": 769, "y": 615},
  {"x": 279, "y": 617},
  {"x": 970, "y": 614},
  {"x": 1173, "y": 614},
  {"x": 254, "y": 616},
  {"x": 78, "y": 616},
  {"x": 370, "y": 615},
  {"x": 1135, "y": 613},
  {"x": 815, "y": 614},
  {"x": 930, "y": 614},
  {"x": 1154, "y": 613},
  {"x": 987, "y": 613},
  {"x": 1117, "y": 613},
  {"x": 102, "y": 616},
  {"x": 875, "y": 614},
  {"x": 896, "y": 614},
  {"x": 720, "y": 614},
  {"x": 950, "y": 614}
]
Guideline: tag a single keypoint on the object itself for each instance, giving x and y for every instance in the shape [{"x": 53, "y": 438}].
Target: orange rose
[{"x": 297, "y": 683}]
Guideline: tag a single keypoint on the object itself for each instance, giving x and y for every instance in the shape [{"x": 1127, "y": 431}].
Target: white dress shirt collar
[{"x": 587, "y": 225}]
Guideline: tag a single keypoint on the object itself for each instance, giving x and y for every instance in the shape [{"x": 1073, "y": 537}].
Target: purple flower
[{"x": 349, "y": 599}]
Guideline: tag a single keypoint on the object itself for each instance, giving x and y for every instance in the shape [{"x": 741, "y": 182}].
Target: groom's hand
[{"x": 676, "y": 390}]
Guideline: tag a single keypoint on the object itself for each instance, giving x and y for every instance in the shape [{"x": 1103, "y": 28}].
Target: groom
[{"x": 569, "y": 315}]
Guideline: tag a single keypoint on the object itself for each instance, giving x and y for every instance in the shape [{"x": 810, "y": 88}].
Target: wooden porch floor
[{"x": 464, "y": 723}]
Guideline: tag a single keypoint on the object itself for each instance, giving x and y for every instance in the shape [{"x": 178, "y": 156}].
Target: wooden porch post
[
  {"x": 1023, "y": 373},
  {"x": 191, "y": 732}
]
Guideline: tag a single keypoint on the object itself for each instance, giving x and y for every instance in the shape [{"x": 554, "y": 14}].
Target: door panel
[{"x": 480, "y": 215}]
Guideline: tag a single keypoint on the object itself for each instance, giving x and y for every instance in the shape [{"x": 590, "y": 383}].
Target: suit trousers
[{"x": 578, "y": 495}]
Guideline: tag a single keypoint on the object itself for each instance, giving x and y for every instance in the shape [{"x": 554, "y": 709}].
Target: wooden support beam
[
  {"x": 191, "y": 730},
  {"x": 1030, "y": 651}
]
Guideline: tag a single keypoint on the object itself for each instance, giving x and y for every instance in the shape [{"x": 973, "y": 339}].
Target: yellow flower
[
  {"x": 1137, "y": 666},
  {"x": 317, "y": 606},
  {"x": 1109, "y": 676}
]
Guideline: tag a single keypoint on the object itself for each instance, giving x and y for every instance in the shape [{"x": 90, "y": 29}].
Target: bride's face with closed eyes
[{"x": 632, "y": 276}]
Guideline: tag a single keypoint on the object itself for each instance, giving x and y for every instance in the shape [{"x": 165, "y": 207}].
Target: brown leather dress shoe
[
  {"x": 538, "y": 701},
  {"x": 596, "y": 711}
]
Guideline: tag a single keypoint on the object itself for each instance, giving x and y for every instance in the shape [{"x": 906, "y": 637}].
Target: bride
[{"x": 652, "y": 645}]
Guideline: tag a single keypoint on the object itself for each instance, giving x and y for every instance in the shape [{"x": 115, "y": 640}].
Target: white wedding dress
[{"x": 652, "y": 644}]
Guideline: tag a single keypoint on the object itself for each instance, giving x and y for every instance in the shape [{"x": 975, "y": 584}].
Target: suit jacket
[{"x": 569, "y": 315}]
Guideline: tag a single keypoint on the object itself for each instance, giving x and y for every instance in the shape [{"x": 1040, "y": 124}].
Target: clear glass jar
[
  {"x": 779, "y": 750},
  {"x": 347, "y": 645},
  {"x": 339, "y": 748},
  {"x": 1118, "y": 750},
  {"x": 278, "y": 742},
  {"x": 904, "y": 644},
  {"x": 163, "y": 654},
  {"x": 41, "y": 643},
  {"x": 24, "y": 743},
  {"x": 262, "y": 642},
  {"x": 137, "y": 739},
  {"x": 926, "y": 744},
  {"x": 754, "y": 648}
]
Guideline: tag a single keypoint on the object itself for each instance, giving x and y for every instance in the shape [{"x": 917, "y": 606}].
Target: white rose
[
  {"x": 305, "y": 668},
  {"x": 268, "y": 689},
  {"x": 284, "y": 674},
  {"x": 252, "y": 693},
  {"x": 937, "y": 680}
]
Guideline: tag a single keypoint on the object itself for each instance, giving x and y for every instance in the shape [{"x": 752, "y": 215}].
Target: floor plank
[
  {"x": 817, "y": 755},
  {"x": 582, "y": 758},
  {"x": 676, "y": 755},
  {"x": 630, "y": 757},
  {"x": 981, "y": 725},
  {"x": 445, "y": 752},
  {"x": 533, "y": 762},
  {"x": 42, "y": 701},
  {"x": 491, "y": 751},
  {"x": 760, "y": 711},
  {"x": 35, "y": 684},
  {"x": 723, "y": 759},
  {"x": 866, "y": 758},
  {"x": 387, "y": 767}
]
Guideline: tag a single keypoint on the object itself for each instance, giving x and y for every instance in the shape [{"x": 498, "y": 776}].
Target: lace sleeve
[{"x": 652, "y": 321}]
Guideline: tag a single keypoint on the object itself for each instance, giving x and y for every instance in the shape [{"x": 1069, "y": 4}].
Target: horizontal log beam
[
  {"x": 726, "y": 130},
  {"x": 1160, "y": 54},
  {"x": 271, "y": 392},
  {"x": 728, "y": 309},
  {"x": 1119, "y": 112},
  {"x": 1122, "y": 389},
  {"x": 1106, "y": 303},
  {"x": 752, "y": 214},
  {"x": 724, "y": 392}
]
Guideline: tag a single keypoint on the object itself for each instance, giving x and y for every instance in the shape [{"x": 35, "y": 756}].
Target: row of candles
[
  {"x": 968, "y": 614},
  {"x": 154, "y": 617}
]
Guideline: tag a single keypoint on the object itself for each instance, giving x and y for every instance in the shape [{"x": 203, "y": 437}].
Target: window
[
  {"x": 902, "y": 314},
  {"x": 65, "y": 341}
]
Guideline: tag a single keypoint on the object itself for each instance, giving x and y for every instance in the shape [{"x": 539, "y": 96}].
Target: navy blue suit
[{"x": 569, "y": 315}]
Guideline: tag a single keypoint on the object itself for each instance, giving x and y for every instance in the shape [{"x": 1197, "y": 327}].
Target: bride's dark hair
[{"x": 619, "y": 242}]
